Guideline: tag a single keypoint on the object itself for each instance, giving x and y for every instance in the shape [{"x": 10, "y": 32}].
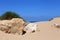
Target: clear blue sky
[{"x": 31, "y": 8}]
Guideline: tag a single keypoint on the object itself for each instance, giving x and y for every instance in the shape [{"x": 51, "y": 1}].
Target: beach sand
[{"x": 45, "y": 31}]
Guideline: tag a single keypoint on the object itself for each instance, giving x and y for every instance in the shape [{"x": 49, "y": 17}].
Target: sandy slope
[
  {"x": 45, "y": 32},
  {"x": 48, "y": 32}
]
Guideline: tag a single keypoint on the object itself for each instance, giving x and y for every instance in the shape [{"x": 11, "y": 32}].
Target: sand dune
[{"x": 45, "y": 31}]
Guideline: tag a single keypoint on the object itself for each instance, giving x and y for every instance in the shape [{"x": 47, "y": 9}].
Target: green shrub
[
  {"x": 9, "y": 15},
  {"x": 51, "y": 19}
]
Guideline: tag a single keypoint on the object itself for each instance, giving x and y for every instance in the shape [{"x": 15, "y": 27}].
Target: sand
[{"x": 45, "y": 31}]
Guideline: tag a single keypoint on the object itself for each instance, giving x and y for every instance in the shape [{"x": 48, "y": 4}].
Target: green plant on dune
[
  {"x": 0, "y": 17},
  {"x": 9, "y": 15},
  {"x": 51, "y": 19}
]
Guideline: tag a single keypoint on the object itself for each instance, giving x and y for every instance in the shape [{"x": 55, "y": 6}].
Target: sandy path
[{"x": 47, "y": 32}]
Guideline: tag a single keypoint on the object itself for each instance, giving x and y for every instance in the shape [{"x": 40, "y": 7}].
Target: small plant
[{"x": 51, "y": 19}]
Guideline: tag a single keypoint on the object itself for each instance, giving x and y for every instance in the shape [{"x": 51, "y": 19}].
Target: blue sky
[{"x": 31, "y": 8}]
